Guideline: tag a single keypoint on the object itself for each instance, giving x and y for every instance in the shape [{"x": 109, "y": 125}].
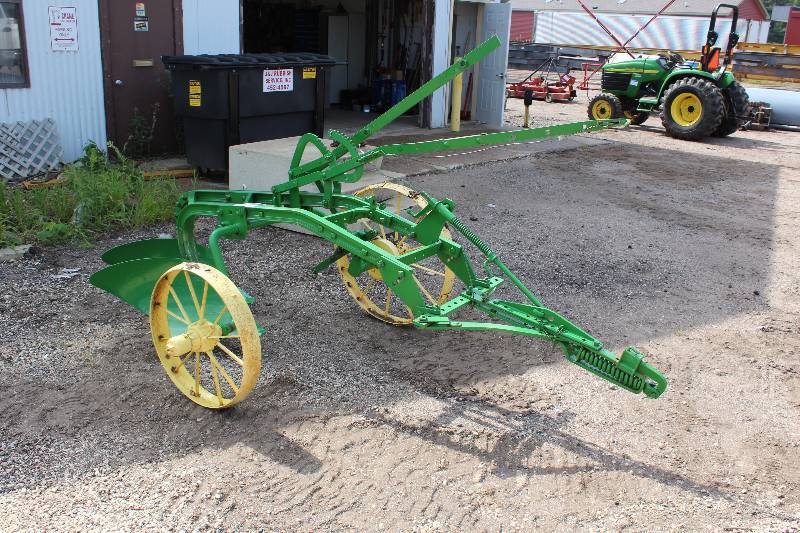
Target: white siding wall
[
  {"x": 674, "y": 33},
  {"x": 65, "y": 86},
  {"x": 210, "y": 27},
  {"x": 441, "y": 60}
]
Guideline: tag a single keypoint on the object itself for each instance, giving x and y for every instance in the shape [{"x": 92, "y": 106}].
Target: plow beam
[
  {"x": 627, "y": 370},
  {"x": 341, "y": 171}
]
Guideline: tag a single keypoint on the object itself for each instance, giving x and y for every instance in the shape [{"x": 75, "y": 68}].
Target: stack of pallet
[{"x": 772, "y": 62}]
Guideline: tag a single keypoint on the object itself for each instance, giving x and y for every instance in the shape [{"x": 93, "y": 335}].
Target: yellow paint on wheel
[
  {"x": 210, "y": 348},
  {"x": 435, "y": 281},
  {"x": 601, "y": 110},
  {"x": 686, "y": 109}
]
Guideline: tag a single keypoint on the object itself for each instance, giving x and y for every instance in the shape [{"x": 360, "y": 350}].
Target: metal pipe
[
  {"x": 605, "y": 28},
  {"x": 455, "y": 101},
  {"x": 646, "y": 24},
  {"x": 785, "y": 104}
]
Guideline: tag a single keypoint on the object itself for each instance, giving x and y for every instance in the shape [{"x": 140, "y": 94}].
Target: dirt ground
[{"x": 689, "y": 251}]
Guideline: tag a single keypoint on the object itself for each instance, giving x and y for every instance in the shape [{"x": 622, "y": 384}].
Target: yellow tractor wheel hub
[
  {"x": 686, "y": 109},
  {"x": 601, "y": 110}
]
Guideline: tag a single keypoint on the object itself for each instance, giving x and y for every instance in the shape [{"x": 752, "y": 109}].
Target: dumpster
[{"x": 228, "y": 99}]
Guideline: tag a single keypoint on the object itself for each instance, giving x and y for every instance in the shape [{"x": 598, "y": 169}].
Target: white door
[{"x": 492, "y": 73}]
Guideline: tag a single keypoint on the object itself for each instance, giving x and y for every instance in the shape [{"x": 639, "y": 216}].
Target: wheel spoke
[
  {"x": 182, "y": 361},
  {"x": 382, "y": 230},
  {"x": 365, "y": 224},
  {"x": 397, "y": 233},
  {"x": 222, "y": 371},
  {"x": 388, "y": 300},
  {"x": 197, "y": 374},
  {"x": 425, "y": 291},
  {"x": 176, "y": 317},
  {"x": 230, "y": 353},
  {"x": 203, "y": 303},
  {"x": 194, "y": 294},
  {"x": 222, "y": 312},
  {"x": 370, "y": 283},
  {"x": 179, "y": 304},
  {"x": 427, "y": 269},
  {"x": 215, "y": 375}
]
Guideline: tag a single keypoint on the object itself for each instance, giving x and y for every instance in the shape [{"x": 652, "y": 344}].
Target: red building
[{"x": 793, "y": 27}]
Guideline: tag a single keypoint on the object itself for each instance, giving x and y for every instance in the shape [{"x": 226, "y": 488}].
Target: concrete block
[{"x": 261, "y": 165}]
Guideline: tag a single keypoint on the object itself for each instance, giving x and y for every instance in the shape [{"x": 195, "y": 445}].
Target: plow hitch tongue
[
  {"x": 628, "y": 371},
  {"x": 393, "y": 248}
]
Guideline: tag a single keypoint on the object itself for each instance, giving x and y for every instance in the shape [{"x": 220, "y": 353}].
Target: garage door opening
[{"x": 378, "y": 44}]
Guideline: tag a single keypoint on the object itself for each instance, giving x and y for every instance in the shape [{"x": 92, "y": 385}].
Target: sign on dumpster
[
  {"x": 63, "y": 29},
  {"x": 277, "y": 80}
]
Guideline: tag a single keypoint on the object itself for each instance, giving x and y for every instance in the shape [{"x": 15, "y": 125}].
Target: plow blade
[
  {"x": 131, "y": 278},
  {"x": 151, "y": 248},
  {"x": 133, "y": 281}
]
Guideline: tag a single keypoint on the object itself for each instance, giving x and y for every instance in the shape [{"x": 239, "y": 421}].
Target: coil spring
[
  {"x": 606, "y": 368},
  {"x": 471, "y": 237}
]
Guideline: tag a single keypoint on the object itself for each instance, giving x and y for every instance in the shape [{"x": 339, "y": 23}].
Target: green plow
[{"x": 392, "y": 246}]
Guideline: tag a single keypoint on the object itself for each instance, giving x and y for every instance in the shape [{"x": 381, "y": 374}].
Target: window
[{"x": 13, "y": 67}]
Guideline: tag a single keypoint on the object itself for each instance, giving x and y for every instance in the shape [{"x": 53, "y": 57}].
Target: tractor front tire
[
  {"x": 605, "y": 106},
  {"x": 693, "y": 108},
  {"x": 636, "y": 117},
  {"x": 736, "y": 101}
]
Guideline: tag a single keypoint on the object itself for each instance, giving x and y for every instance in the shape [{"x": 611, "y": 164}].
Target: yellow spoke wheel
[
  {"x": 205, "y": 335},
  {"x": 686, "y": 109},
  {"x": 434, "y": 280}
]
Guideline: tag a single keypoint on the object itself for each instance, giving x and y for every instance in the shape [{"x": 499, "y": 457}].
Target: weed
[{"x": 98, "y": 196}]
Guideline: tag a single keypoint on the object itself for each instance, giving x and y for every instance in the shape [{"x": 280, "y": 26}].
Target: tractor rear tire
[
  {"x": 693, "y": 108},
  {"x": 605, "y": 106},
  {"x": 636, "y": 117},
  {"x": 735, "y": 99}
]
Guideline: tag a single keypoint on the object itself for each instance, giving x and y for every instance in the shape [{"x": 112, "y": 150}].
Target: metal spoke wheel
[
  {"x": 434, "y": 279},
  {"x": 205, "y": 335}
]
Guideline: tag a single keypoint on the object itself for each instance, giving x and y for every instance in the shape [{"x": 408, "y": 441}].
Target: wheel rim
[
  {"x": 601, "y": 110},
  {"x": 434, "y": 280},
  {"x": 193, "y": 309},
  {"x": 686, "y": 109}
]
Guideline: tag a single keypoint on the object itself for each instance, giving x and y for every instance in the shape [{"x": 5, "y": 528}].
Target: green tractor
[{"x": 697, "y": 99}]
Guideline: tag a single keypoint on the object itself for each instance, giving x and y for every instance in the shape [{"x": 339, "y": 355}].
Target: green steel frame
[{"x": 135, "y": 267}]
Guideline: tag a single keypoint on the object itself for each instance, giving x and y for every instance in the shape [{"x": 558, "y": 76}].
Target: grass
[{"x": 97, "y": 197}]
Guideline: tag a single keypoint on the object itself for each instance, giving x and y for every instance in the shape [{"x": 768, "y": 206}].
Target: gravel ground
[{"x": 686, "y": 250}]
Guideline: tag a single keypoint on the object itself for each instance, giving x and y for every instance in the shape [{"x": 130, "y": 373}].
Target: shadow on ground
[{"x": 629, "y": 244}]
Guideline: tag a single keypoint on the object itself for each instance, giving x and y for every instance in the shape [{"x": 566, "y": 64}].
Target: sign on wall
[
  {"x": 63, "y": 29},
  {"x": 278, "y": 80}
]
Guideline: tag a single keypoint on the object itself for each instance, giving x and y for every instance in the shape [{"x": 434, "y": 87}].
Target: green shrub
[{"x": 98, "y": 196}]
